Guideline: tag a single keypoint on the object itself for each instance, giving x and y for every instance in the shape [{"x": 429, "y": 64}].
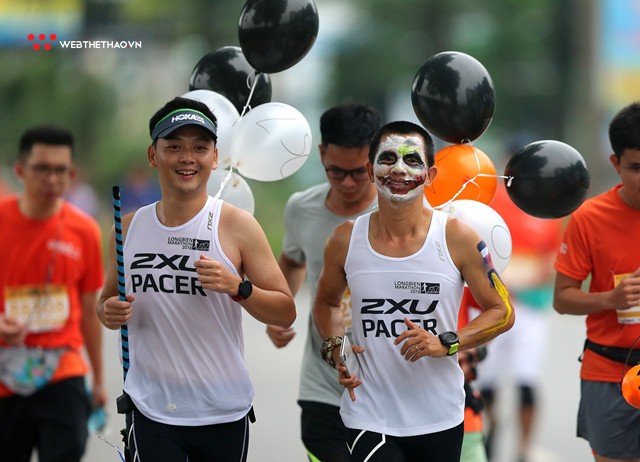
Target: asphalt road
[{"x": 276, "y": 434}]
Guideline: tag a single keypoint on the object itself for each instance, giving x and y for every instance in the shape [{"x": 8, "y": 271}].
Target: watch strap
[
  {"x": 245, "y": 288},
  {"x": 453, "y": 343}
]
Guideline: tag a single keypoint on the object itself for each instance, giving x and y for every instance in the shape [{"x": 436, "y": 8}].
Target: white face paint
[{"x": 400, "y": 168}]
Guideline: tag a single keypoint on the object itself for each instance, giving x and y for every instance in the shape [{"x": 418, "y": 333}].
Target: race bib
[{"x": 43, "y": 308}]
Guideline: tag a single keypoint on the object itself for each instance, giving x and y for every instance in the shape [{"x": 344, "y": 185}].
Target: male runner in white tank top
[
  {"x": 192, "y": 263},
  {"x": 405, "y": 266}
]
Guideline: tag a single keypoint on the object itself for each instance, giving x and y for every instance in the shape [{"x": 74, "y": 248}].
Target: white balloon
[
  {"x": 270, "y": 142},
  {"x": 236, "y": 191},
  {"x": 489, "y": 225},
  {"x": 226, "y": 114}
]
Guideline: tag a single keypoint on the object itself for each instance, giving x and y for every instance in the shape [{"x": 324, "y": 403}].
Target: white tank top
[
  {"x": 185, "y": 343},
  {"x": 398, "y": 397}
]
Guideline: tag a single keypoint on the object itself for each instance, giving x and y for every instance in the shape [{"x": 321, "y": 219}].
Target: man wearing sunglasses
[{"x": 310, "y": 217}]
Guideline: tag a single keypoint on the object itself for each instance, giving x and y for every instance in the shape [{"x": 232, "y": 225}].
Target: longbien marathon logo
[{"x": 47, "y": 42}]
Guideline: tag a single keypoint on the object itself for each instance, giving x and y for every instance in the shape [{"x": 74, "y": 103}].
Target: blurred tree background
[
  {"x": 522, "y": 45},
  {"x": 541, "y": 55}
]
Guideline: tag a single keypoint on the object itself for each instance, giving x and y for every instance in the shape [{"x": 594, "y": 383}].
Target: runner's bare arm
[
  {"x": 327, "y": 312},
  {"x": 294, "y": 273},
  {"x": 246, "y": 244},
  {"x": 569, "y": 298},
  {"x": 472, "y": 257},
  {"x": 92, "y": 334}
]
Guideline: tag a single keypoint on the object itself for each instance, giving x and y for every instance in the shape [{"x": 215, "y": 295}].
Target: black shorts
[
  {"x": 323, "y": 433},
  {"x": 444, "y": 446},
  {"x": 151, "y": 441},
  {"x": 53, "y": 420}
]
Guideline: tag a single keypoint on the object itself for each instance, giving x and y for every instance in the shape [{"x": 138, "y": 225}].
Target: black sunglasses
[{"x": 337, "y": 173}]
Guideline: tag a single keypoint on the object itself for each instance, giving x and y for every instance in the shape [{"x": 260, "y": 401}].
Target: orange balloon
[
  {"x": 631, "y": 386},
  {"x": 457, "y": 165}
]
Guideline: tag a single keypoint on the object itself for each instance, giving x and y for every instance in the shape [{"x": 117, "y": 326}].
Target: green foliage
[
  {"x": 514, "y": 40},
  {"x": 107, "y": 97},
  {"x": 47, "y": 88},
  {"x": 216, "y": 21}
]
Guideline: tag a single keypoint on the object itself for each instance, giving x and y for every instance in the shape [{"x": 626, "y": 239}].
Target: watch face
[
  {"x": 245, "y": 289},
  {"x": 449, "y": 338}
]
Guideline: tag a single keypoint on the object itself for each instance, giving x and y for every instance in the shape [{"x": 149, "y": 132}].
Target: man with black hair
[
  {"x": 192, "y": 263},
  {"x": 50, "y": 277},
  {"x": 405, "y": 265},
  {"x": 601, "y": 243},
  {"x": 310, "y": 217}
]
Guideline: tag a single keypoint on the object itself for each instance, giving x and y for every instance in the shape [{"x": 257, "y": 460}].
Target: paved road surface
[{"x": 276, "y": 434}]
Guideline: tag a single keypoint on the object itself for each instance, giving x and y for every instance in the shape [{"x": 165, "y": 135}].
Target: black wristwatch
[
  {"x": 451, "y": 341},
  {"x": 244, "y": 291}
]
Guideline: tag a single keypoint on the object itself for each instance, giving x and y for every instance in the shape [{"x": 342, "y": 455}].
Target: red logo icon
[{"x": 41, "y": 38}]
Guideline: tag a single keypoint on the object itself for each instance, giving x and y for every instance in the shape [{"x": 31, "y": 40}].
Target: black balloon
[
  {"x": 227, "y": 72},
  {"x": 276, "y": 34},
  {"x": 550, "y": 179},
  {"x": 453, "y": 97}
]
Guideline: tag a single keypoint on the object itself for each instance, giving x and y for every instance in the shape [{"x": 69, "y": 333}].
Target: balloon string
[
  {"x": 472, "y": 180},
  {"x": 626, "y": 362},
  {"x": 252, "y": 87},
  {"x": 448, "y": 203},
  {"x": 120, "y": 453},
  {"x": 224, "y": 182},
  {"x": 475, "y": 155}
]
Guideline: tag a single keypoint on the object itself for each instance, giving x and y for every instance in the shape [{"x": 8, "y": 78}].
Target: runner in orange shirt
[
  {"x": 601, "y": 242},
  {"x": 50, "y": 276}
]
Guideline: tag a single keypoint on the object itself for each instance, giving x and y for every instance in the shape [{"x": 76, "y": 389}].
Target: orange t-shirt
[
  {"x": 46, "y": 266},
  {"x": 601, "y": 240},
  {"x": 5, "y": 191}
]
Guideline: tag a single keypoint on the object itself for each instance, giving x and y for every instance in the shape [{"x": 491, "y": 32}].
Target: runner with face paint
[
  {"x": 400, "y": 168},
  {"x": 406, "y": 265}
]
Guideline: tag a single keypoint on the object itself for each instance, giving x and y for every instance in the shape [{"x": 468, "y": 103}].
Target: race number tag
[{"x": 41, "y": 308}]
